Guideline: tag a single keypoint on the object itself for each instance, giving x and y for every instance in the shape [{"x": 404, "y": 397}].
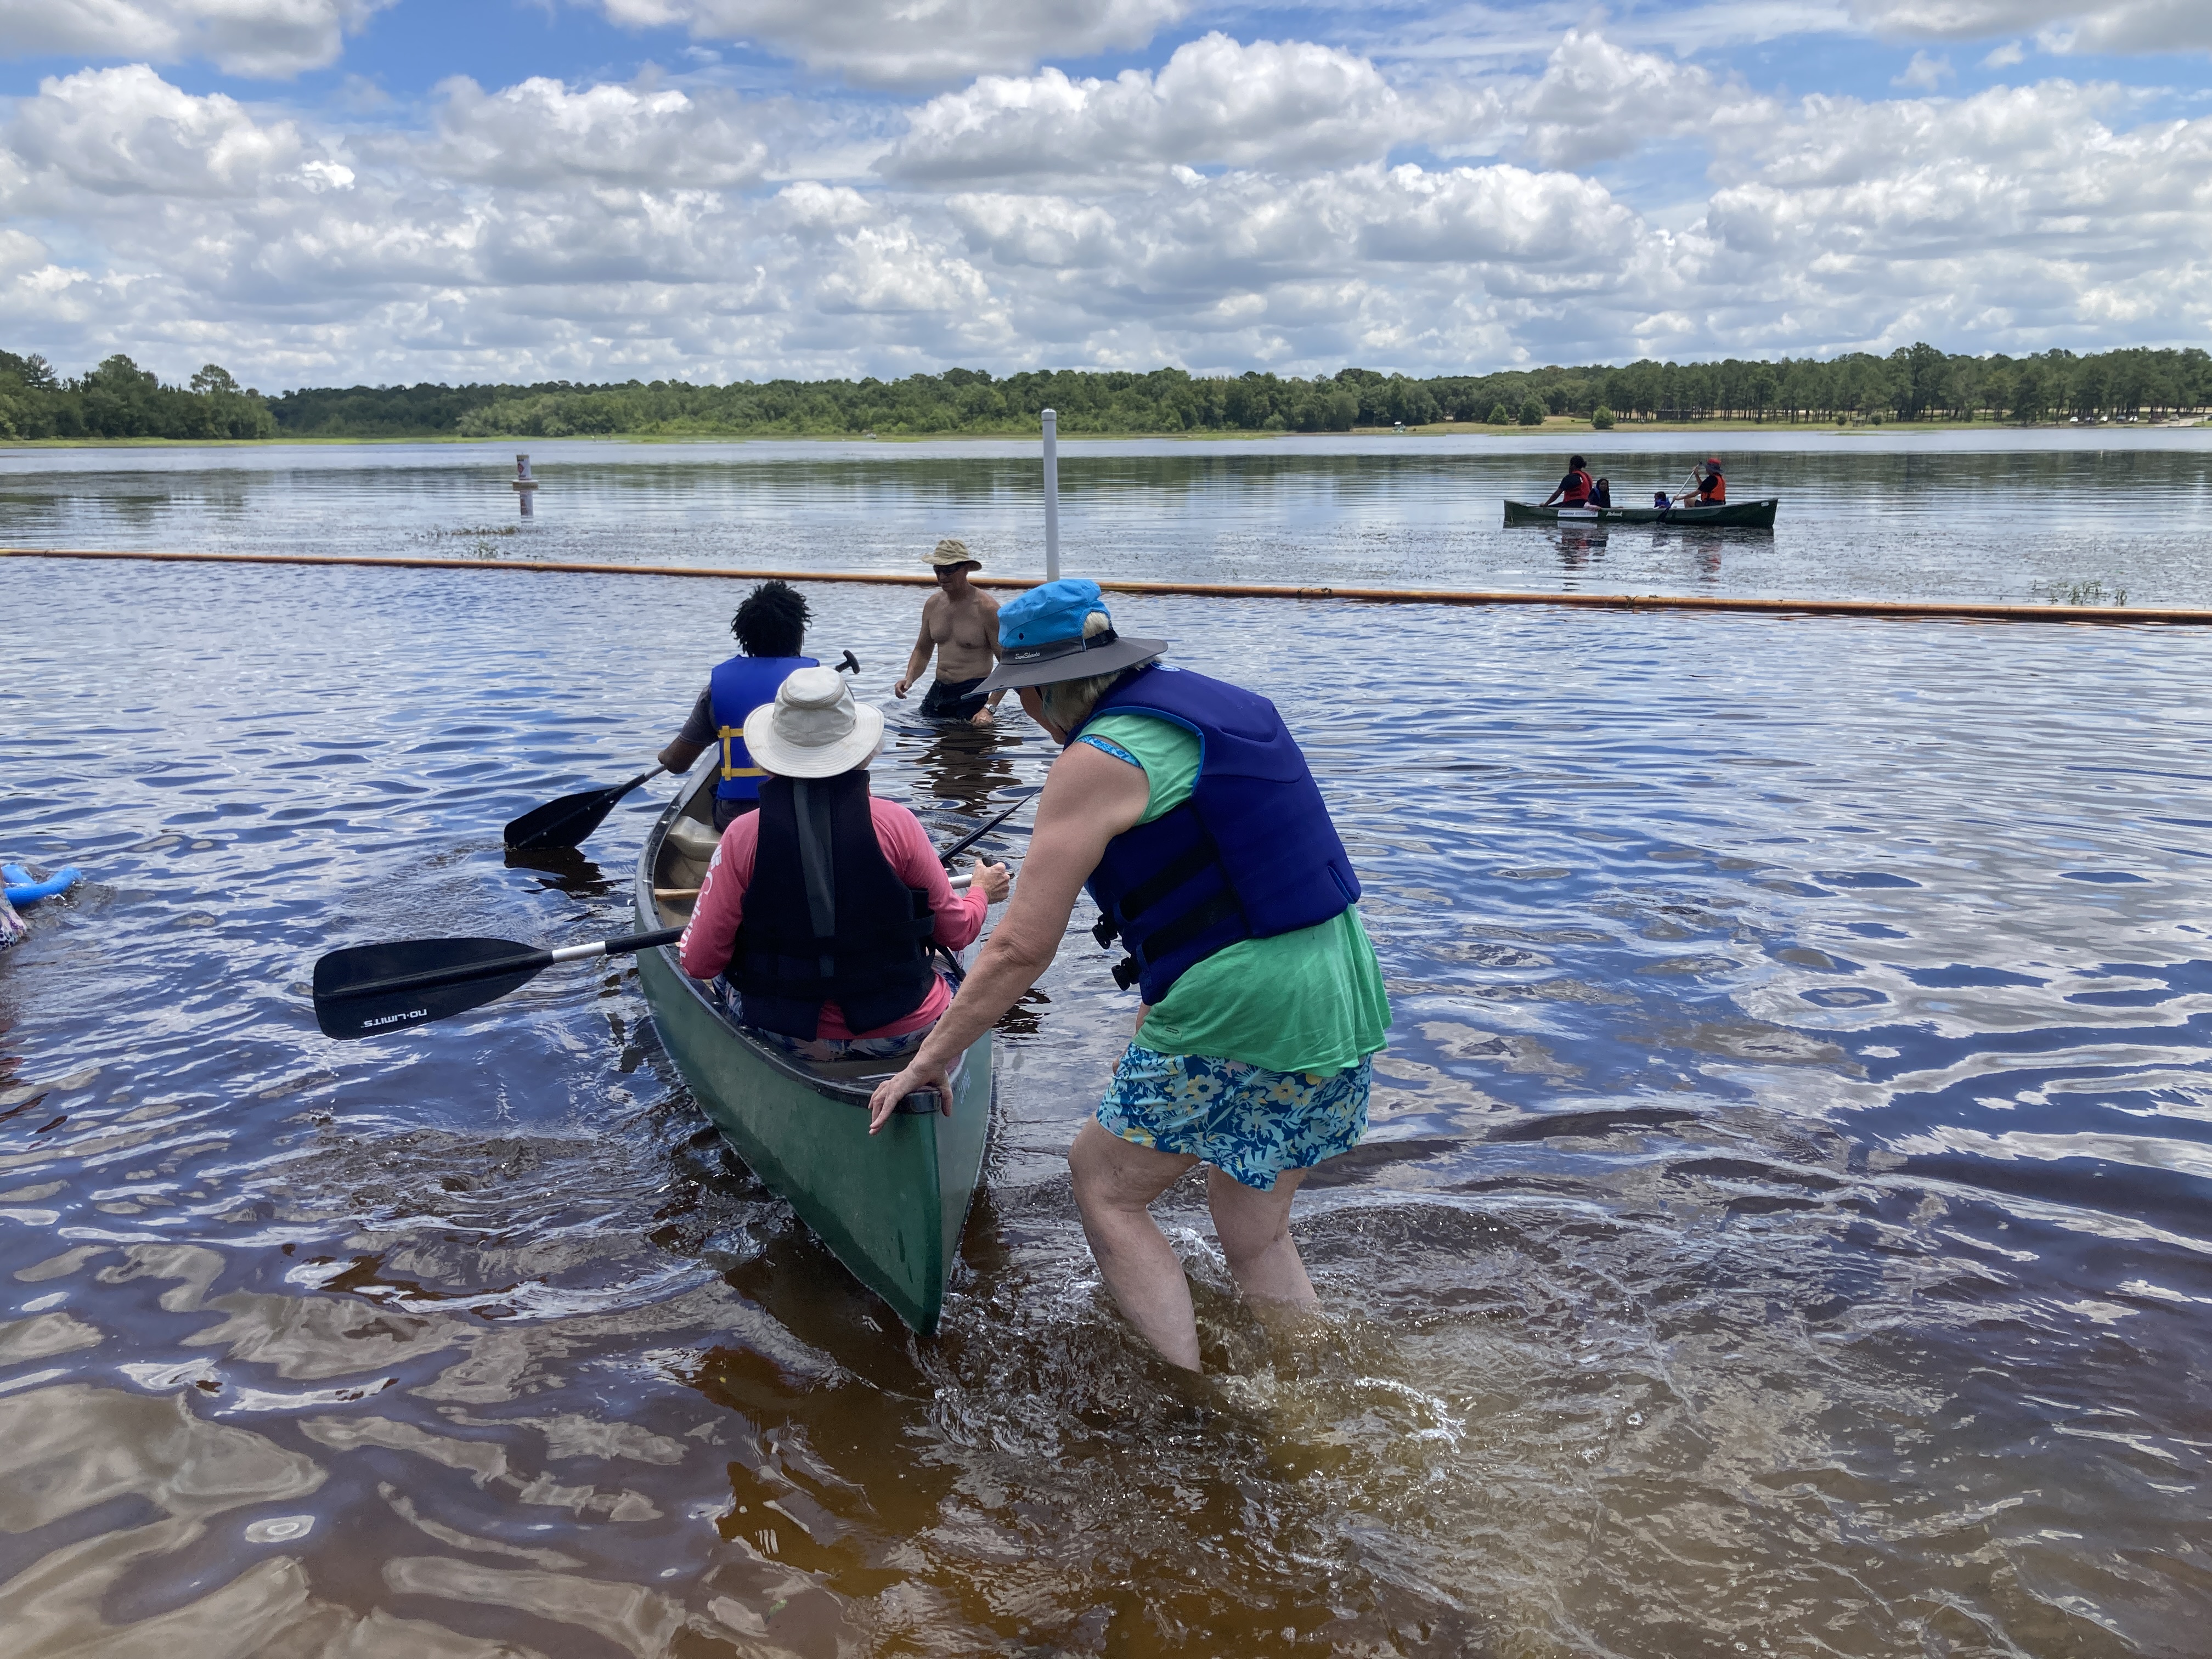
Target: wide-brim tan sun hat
[
  {"x": 952, "y": 550},
  {"x": 813, "y": 729}
]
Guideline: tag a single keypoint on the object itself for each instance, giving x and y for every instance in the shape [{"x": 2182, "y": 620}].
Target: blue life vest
[
  {"x": 739, "y": 686},
  {"x": 827, "y": 917},
  {"x": 1252, "y": 853}
]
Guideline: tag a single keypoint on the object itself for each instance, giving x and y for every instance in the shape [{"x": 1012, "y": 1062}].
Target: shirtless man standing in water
[{"x": 960, "y": 624}]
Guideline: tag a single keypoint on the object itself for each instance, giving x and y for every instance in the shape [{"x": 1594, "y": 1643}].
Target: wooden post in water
[
  {"x": 525, "y": 487},
  {"x": 1051, "y": 496}
]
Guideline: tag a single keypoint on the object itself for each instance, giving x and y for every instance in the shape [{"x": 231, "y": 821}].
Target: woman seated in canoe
[
  {"x": 1186, "y": 808},
  {"x": 820, "y": 905}
]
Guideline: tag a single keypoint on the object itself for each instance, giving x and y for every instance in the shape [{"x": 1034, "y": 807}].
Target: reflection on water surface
[
  {"x": 1782, "y": 1229},
  {"x": 2016, "y": 516}
]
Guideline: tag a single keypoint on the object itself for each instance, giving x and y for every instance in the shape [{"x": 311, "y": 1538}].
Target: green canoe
[
  {"x": 1728, "y": 515},
  {"x": 890, "y": 1207}
]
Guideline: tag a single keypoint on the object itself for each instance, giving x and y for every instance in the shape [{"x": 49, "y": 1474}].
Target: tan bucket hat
[
  {"x": 813, "y": 729},
  {"x": 952, "y": 550}
]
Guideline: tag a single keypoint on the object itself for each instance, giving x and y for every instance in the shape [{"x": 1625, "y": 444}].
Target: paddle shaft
[
  {"x": 522, "y": 962},
  {"x": 969, "y": 841}
]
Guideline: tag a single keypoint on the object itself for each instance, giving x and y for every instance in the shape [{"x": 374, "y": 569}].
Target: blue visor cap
[{"x": 1041, "y": 638}]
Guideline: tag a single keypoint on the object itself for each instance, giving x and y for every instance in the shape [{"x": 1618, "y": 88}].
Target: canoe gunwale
[{"x": 1754, "y": 513}]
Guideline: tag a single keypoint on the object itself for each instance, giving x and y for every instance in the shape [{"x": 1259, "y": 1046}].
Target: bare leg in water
[{"x": 1116, "y": 1179}]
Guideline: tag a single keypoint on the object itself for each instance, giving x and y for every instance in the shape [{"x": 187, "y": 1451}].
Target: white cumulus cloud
[
  {"x": 912, "y": 43},
  {"x": 265, "y": 37},
  {"x": 541, "y": 133},
  {"x": 1597, "y": 100},
  {"x": 546, "y": 230},
  {"x": 1288, "y": 107},
  {"x": 2116, "y": 25},
  {"x": 126, "y": 133}
]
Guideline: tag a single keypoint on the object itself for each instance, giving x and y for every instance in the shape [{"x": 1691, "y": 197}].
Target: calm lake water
[
  {"x": 1783, "y": 1228},
  {"x": 1971, "y": 515}
]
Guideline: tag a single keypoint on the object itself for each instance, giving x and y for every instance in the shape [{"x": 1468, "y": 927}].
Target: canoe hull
[
  {"x": 890, "y": 1207},
  {"x": 1728, "y": 515}
]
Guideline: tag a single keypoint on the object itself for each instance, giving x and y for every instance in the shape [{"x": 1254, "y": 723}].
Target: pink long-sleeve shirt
[{"x": 711, "y": 936}]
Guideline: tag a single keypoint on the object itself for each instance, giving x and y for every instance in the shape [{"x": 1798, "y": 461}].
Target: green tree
[
  {"x": 1531, "y": 413},
  {"x": 1602, "y": 418},
  {"x": 1500, "y": 415}
]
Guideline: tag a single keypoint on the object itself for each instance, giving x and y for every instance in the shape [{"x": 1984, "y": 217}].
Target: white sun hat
[{"x": 813, "y": 729}]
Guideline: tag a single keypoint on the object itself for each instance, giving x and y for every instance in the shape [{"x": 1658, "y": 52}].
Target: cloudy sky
[{"x": 313, "y": 191}]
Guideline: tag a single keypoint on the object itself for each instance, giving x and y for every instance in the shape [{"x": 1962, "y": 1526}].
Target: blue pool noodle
[{"x": 21, "y": 890}]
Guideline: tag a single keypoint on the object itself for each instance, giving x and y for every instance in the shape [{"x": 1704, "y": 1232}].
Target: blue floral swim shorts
[{"x": 1250, "y": 1123}]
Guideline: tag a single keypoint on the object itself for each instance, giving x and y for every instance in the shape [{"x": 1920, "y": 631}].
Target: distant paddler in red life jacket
[
  {"x": 818, "y": 906},
  {"x": 1186, "y": 809},
  {"x": 1574, "y": 489},
  {"x": 771, "y": 626},
  {"x": 1711, "y": 488}
]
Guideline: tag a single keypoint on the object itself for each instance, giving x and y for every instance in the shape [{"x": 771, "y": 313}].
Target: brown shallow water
[{"x": 1783, "y": 1230}]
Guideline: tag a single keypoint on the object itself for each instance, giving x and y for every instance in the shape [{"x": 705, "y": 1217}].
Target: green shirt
[{"x": 1308, "y": 1001}]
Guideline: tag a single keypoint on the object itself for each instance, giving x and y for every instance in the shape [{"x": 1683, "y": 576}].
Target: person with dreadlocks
[{"x": 771, "y": 629}]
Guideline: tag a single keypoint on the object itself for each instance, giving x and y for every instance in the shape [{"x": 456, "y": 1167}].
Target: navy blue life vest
[
  {"x": 739, "y": 686},
  {"x": 827, "y": 918},
  {"x": 1252, "y": 853}
]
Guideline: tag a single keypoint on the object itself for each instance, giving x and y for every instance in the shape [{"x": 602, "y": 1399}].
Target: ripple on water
[{"x": 1780, "y": 1223}]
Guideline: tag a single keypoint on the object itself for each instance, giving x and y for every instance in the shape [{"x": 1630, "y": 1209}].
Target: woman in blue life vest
[
  {"x": 1574, "y": 489},
  {"x": 771, "y": 626},
  {"x": 1183, "y": 805}
]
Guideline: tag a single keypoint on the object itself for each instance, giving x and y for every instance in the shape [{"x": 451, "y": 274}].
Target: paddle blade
[
  {"x": 566, "y": 822},
  {"x": 563, "y": 823},
  {"x": 367, "y": 990}
]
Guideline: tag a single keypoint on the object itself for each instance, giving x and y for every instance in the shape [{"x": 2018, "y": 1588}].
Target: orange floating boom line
[{"x": 1901, "y": 609}]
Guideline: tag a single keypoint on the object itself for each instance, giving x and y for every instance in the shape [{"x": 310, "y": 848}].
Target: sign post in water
[{"x": 1051, "y": 496}]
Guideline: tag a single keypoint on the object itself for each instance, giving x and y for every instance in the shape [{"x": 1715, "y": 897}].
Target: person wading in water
[
  {"x": 1185, "y": 807},
  {"x": 960, "y": 624},
  {"x": 771, "y": 628}
]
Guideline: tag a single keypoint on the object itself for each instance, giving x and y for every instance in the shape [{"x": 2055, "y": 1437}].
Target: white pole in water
[
  {"x": 1051, "y": 496},
  {"x": 525, "y": 487}
]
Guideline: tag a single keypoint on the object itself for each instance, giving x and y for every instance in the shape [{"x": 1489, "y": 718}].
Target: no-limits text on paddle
[{"x": 366, "y": 990}]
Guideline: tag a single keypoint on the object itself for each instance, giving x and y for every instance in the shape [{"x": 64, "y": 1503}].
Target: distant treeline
[
  {"x": 119, "y": 399},
  {"x": 1913, "y": 383}
]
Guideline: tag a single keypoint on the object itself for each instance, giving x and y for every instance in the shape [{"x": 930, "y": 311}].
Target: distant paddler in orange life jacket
[
  {"x": 1574, "y": 489},
  {"x": 1711, "y": 488},
  {"x": 771, "y": 628},
  {"x": 1184, "y": 807}
]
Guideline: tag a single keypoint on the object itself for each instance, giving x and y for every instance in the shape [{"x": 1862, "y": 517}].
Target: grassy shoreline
[{"x": 1557, "y": 426}]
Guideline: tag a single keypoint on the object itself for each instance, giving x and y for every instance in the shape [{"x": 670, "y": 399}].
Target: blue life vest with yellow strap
[
  {"x": 827, "y": 917},
  {"x": 737, "y": 688},
  {"x": 1252, "y": 853}
]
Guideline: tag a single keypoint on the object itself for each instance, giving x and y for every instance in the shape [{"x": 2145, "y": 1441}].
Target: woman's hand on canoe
[{"x": 918, "y": 1074}]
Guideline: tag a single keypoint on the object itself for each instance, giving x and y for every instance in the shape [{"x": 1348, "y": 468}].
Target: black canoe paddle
[
  {"x": 366, "y": 990},
  {"x": 568, "y": 821},
  {"x": 1027, "y": 792}
]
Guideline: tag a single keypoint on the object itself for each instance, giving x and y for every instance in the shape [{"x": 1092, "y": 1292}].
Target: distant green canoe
[
  {"x": 890, "y": 1207},
  {"x": 1728, "y": 515}
]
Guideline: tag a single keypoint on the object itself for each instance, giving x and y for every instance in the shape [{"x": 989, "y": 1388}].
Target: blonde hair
[{"x": 1068, "y": 703}]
